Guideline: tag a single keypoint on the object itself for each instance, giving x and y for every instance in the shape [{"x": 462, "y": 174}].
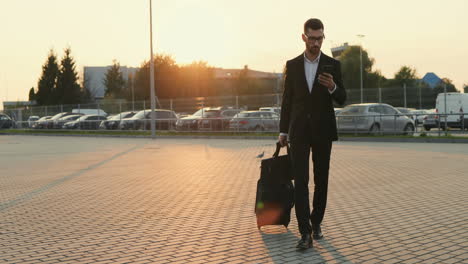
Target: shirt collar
[{"x": 314, "y": 61}]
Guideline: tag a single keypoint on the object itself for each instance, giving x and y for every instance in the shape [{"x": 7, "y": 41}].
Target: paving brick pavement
[{"x": 107, "y": 200}]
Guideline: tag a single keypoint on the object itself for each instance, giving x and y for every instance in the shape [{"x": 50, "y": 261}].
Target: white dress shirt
[{"x": 310, "y": 68}]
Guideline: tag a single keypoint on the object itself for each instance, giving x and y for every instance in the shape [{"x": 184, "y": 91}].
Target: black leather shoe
[
  {"x": 317, "y": 232},
  {"x": 305, "y": 242}
]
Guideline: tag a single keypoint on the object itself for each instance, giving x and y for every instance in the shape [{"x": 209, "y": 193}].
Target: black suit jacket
[{"x": 299, "y": 106}]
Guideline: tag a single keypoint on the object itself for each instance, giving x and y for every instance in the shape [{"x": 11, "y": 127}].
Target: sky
[{"x": 429, "y": 35}]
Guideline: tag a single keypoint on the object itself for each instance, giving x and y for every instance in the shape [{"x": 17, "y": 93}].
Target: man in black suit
[{"x": 312, "y": 81}]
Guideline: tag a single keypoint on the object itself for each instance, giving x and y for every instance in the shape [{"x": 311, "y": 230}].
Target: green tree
[
  {"x": 32, "y": 94},
  {"x": 86, "y": 94},
  {"x": 465, "y": 88},
  {"x": 195, "y": 79},
  {"x": 405, "y": 75},
  {"x": 445, "y": 82},
  {"x": 165, "y": 71},
  {"x": 114, "y": 82},
  {"x": 129, "y": 87},
  {"x": 68, "y": 89},
  {"x": 242, "y": 86},
  {"x": 47, "y": 83},
  {"x": 351, "y": 69}
]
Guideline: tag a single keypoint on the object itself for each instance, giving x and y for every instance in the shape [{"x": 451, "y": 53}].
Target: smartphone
[{"x": 327, "y": 68}]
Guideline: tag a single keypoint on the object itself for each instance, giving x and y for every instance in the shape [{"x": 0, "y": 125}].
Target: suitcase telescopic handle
[{"x": 278, "y": 148}]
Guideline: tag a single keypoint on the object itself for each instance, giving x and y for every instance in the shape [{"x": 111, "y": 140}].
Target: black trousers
[{"x": 300, "y": 153}]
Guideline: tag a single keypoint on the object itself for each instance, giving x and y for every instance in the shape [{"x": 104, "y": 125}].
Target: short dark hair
[{"x": 313, "y": 23}]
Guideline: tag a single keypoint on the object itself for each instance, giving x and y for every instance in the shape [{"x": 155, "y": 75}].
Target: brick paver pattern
[{"x": 116, "y": 200}]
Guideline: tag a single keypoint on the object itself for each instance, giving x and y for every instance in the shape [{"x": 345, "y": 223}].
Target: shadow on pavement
[{"x": 281, "y": 245}]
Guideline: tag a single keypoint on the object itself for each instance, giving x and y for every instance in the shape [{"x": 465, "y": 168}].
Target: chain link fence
[{"x": 220, "y": 113}]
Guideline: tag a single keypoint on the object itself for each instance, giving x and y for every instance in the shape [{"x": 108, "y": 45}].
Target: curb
[
  {"x": 147, "y": 137},
  {"x": 405, "y": 140},
  {"x": 341, "y": 139}
]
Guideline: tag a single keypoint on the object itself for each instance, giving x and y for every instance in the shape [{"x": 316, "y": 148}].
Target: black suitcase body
[{"x": 275, "y": 191}]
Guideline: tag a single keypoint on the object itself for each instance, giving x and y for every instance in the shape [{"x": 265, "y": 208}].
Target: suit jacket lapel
[
  {"x": 322, "y": 61},
  {"x": 302, "y": 75}
]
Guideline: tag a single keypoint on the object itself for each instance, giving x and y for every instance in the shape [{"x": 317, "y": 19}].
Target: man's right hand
[{"x": 283, "y": 140}]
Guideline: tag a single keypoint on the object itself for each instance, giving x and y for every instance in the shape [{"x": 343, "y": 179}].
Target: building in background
[
  {"x": 337, "y": 51},
  {"x": 17, "y": 104},
  {"x": 94, "y": 78},
  {"x": 264, "y": 82},
  {"x": 226, "y": 80},
  {"x": 431, "y": 79}
]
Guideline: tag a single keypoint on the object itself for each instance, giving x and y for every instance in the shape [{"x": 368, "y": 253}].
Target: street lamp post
[
  {"x": 130, "y": 79},
  {"x": 360, "y": 59},
  {"x": 153, "y": 102}
]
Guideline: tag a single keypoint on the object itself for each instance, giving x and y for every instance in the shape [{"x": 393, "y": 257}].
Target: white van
[
  {"x": 457, "y": 108},
  {"x": 90, "y": 112}
]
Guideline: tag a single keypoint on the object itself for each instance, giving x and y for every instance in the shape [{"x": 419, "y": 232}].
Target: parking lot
[{"x": 129, "y": 200}]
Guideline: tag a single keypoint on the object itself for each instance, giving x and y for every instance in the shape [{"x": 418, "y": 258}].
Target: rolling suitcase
[{"x": 275, "y": 191}]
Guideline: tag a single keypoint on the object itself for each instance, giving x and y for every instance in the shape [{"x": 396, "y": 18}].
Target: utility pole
[
  {"x": 360, "y": 59},
  {"x": 153, "y": 102}
]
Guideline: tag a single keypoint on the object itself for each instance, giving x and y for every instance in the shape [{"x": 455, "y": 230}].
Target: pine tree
[
  {"x": 86, "y": 94},
  {"x": 47, "y": 84},
  {"x": 68, "y": 89},
  {"x": 32, "y": 94},
  {"x": 114, "y": 82}
]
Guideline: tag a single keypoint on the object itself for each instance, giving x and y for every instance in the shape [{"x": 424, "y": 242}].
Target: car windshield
[
  {"x": 82, "y": 118},
  {"x": 57, "y": 116},
  {"x": 199, "y": 112},
  {"x": 128, "y": 115},
  {"x": 242, "y": 115},
  {"x": 403, "y": 110},
  {"x": 140, "y": 115},
  {"x": 73, "y": 117},
  {"x": 122, "y": 116},
  {"x": 354, "y": 109},
  {"x": 209, "y": 113}
]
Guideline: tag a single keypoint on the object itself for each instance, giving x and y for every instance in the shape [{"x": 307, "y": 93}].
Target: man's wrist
[{"x": 332, "y": 90}]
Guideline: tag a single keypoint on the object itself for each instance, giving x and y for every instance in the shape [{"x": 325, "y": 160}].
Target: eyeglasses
[{"x": 313, "y": 39}]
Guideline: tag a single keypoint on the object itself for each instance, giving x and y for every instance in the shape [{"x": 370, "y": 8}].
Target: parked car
[
  {"x": 182, "y": 114},
  {"x": 89, "y": 112},
  {"x": 113, "y": 122},
  {"x": 216, "y": 119},
  {"x": 406, "y": 111},
  {"x": 274, "y": 109},
  {"x": 337, "y": 110},
  {"x": 255, "y": 121},
  {"x": 86, "y": 122},
  {"x": 165, "y": 120},
  {"x": 57, "y": 123},
  {"x": 49, "y": 123},
  {"x": 6, "y": 121},
  {"x": 32, "y": 120},
  {"x": 191, "y": 122},
  {"x": 61, "y": 121},
  {"x": 418, "y": 116},
  {"x": 431, "y": 120},
  {"x": 373, "y": 118},
  {"x": 40, "y": 121}
]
